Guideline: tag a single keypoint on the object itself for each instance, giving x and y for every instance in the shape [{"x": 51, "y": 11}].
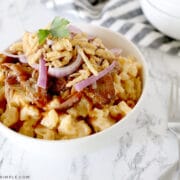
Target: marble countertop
[{"x": 143, "y": 154}]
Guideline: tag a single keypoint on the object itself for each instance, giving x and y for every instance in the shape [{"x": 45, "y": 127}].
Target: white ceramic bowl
[
  {"x": 99, "y": 140},
  {"x": 164, "y": 15}
]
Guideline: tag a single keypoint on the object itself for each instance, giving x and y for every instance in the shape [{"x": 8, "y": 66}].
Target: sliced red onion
[
  {"x": 73, "y": 29},
  {"x": 116, "y": 51},
  {"x": 42, "y": 79},
  {"x": 23, "y": 59},
  {"x": 92, "y": 79},
  {"x": 12, "y": 55},
  {"x": 64, "y": 71}
]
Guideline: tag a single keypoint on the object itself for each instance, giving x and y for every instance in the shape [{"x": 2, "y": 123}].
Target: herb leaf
[
  {"x": 42, "y": 35},
  {"x": 58, "y": 23},
  {"x": 60, "y": 32},
  {"x": 58, "y": 29}
]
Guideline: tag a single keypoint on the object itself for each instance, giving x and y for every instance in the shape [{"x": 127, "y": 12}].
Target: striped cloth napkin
[{"x": 124, "y": 16}]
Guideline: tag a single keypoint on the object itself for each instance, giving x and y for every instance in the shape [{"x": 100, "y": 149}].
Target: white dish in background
[
  {"x": 164, "y": 15},
  {"x": 99, "y": 140}
]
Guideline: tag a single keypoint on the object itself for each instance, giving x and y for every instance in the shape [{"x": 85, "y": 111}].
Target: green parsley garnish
[
  {"x": 58, "y": 29},
  {"x": 42, "y": 34}
]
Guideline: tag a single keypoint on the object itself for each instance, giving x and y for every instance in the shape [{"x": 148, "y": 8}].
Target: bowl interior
[{"x": 111, "y": 40}]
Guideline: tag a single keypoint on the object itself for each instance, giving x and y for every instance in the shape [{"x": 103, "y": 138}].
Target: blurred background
[{"x": 124, "y": 16}]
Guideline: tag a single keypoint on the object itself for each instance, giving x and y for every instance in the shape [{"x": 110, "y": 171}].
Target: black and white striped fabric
[{"x": 124, "y": 16}]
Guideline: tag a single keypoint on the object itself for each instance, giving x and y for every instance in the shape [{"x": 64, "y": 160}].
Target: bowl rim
[
  {"x": 11, "y": 132},
  {"x": 163, "y": 11}
]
